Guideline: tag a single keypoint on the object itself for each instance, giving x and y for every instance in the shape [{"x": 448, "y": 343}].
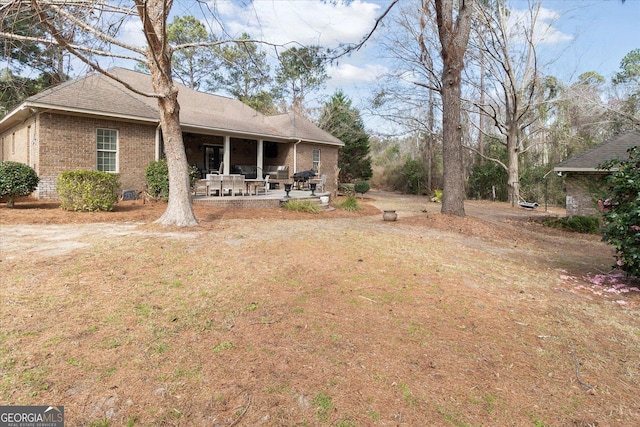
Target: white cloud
[
  {"x": 349, "y": 73},
  {"x": 308, "y": 22},
  {"x": 545, "y": 31},
  {"x": 303, "y": 21}
]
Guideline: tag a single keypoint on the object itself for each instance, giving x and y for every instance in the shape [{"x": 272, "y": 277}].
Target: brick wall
[
  {"x": 582, "y": 193},
  {"x": 69, "y": 143},
  {"x": 16, "y": 143},
  {"x": 328, "y": 161}
]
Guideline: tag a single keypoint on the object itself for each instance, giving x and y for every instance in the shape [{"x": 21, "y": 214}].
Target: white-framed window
[
  {"x": 107, "y": 150},
  {"x": 316, "y": 160}
]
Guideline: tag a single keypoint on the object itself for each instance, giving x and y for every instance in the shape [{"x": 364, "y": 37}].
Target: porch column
[
  {"x": 227, "y": 155},
  {"x": 260, "y": 158}
]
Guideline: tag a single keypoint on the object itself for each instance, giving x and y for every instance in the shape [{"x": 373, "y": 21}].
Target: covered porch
[{"x": 225, "y": 155}]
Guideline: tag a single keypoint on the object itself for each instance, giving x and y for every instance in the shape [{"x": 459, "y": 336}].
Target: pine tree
[{"x": 343, "y": 121}]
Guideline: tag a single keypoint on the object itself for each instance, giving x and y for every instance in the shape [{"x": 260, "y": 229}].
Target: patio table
[{"x": 252, "y": 182}]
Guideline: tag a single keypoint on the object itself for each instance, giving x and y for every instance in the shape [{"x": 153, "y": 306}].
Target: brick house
[
  {"x": 95, "y": 123},
  {"x": 583, "y": 179}
]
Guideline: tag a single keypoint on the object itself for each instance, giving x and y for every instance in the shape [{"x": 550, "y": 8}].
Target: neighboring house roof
[
  {"x": 96, "y": 94},
  {"x": 589, "y": 160}
]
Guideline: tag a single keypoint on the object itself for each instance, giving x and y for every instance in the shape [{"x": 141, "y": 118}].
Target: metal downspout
[{"x": 295, "y": 156}]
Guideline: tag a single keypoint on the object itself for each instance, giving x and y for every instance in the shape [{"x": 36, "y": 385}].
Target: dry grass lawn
[{"x": 273, "y": 318}]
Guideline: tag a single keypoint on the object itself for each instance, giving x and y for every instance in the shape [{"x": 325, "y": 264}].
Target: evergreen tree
[
  {"x": 191, "y": 65},
  {"x": 301, "y": 71},
  {"x": 195, "y": 54},
  {"x": 244, "y": 73},
  {"x": 30, "y": 66},
  {"x": 627, "y": 82},
  {"x": 343, "y": 121}
]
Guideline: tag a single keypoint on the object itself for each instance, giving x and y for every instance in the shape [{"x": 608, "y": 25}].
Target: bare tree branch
[
  {"x": 79, "y": 48},
  {"x": 359, "y": 45}
]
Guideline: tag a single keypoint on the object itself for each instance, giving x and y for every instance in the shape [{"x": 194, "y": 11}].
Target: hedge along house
[
  {"x": 584, "y": 181},
  {"x": 95, "y": 123}
]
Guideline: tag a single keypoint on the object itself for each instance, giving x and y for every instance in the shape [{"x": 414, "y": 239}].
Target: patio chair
[
  {"x": 226, "y": 186},
  {"x": 238, "y": 185},
  {"x": 321, "y": 183},
  {"x": 263, "y": 187},
  {"x": 215, "y": 183},
  {"x": 221, "y": 169}
]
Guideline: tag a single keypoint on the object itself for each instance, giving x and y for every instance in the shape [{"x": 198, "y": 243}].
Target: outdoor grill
[{"x": 303, "y": 176}]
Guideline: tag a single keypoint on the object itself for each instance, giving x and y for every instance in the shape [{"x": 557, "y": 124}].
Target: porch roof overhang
[{"x": 206, "y": 130}]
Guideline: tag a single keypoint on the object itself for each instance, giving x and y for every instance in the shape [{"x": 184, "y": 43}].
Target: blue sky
[{"x": 603, "y": 33}]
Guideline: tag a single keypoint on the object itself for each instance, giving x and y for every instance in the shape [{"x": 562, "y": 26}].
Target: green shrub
[
  {"x": 349, "y": 204},
  {"x": 361, "y": 187},
  {"x": 347, "y": 189},
  {"x": 88, "y": 191},
  {"x": 414, "y": 173},
  {"x": 157, "y": 176},
  {"x": 485, "y": 178},
  {"x": 301, "y": 206},
  {"x": 16, "y": 179},
  {"x": 621, "y": 211},
  {"x": 577, "y": 223},
  {"x": 437, "y": 196}
]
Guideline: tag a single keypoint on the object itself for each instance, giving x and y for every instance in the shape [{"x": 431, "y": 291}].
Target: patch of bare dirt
[
  {"x": 264, "y": 317},
  {"x": 37, "y": 212}
]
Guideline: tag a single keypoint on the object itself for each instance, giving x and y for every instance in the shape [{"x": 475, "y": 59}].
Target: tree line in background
[{"x": 516, "y": 121}]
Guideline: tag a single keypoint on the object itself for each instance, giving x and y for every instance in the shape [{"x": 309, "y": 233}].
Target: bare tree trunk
[
  {"x": 153, "y": 14},
  {"x": 513, "y": 169},
  {"x": 179, "y": 209},
  {"x": 453, "y": 173},
  {"x": 430, "y": 139},
  {"x": 481, "y": 120},
  {"x": 511, "y": 59},
  {"x": 454, "y": 38}
]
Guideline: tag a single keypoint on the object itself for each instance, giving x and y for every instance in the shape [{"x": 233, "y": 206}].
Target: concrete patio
[{"x": 272, "y": 199}]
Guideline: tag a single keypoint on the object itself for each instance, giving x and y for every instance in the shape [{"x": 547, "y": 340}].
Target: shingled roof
[
  {"x": 613, "y": 148},
  {"x": 96, "y": 94}
]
